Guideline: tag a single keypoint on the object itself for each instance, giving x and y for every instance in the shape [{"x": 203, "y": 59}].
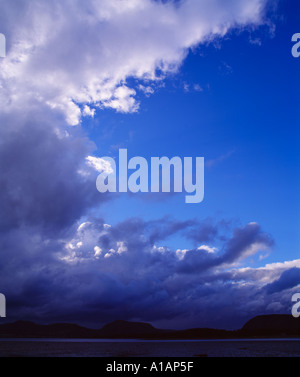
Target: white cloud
[
  {"x": 98, "y": 251},
  {"x": 198, "y": 88},
  {"x": 99, "y": 164},
  {"x": 75, "y": 55},
  {"x": 87, "y": 111},
  {"x": 275, "y": 266},
  {"x": 122, "y": 248},
  {"x": 147, "y": 90},
  {"x": 83, "y": 226},
  {"x": 267, "y": 273},
  {"x": 181, "y": 253},
  {"x": 209, "y": 249}
]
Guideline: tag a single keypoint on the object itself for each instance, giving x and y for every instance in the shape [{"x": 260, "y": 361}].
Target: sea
[{"x": 140, "y": 348}]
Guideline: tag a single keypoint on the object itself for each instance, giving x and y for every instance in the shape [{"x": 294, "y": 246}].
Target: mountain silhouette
[
  {"x": 268, "y": 326},
  {"x": 25, "y": 329},
  {"x": 124, "y": 329}
]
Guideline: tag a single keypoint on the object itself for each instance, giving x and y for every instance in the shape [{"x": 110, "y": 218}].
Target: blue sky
[
  {"x": 244, "y": 121},
  {"x": 190, "y": 78}
]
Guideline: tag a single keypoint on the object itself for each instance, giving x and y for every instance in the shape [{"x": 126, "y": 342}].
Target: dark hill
[
  {"x": 124, "y": 329},
  {"x": 266, "y": 326},
  {"x": 200, "y": 333},
  {"x": 272, "y": 325},
  {"x": 23, "y": 329}
]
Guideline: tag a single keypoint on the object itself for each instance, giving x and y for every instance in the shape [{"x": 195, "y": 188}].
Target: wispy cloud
[{"x": 216, "y": 161}]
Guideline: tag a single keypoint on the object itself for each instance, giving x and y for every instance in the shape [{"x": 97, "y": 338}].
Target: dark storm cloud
[
  {"x": 244, "y": 242},
  {"x": 40, "y": 180},
  {"x": 207, "y": 231},
  {"x": 99, "y": 273},
  {"x": 160, "y": 230},
  {"x": 288, "y": 279}
]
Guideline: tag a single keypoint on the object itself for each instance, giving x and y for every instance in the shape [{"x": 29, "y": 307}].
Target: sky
[{"x": 187, "y": 78}]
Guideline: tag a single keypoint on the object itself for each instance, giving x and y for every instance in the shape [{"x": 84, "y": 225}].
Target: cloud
[
  {"x": 245, "y": 242},
  {"x": 95, "y": 273},
  {"x": 77, "y": 56},
  {"x": 99, "y": 164},
  {"x": 214, "y": 162},
  {"x": 288, "y": 279},
  {"x": 41, "y": 184},
  {"x": 65, "y": 60},
  {"x": 204, "y": 231}
]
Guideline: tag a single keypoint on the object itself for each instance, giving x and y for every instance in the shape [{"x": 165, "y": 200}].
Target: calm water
[{"x": 121, "y": 348}]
